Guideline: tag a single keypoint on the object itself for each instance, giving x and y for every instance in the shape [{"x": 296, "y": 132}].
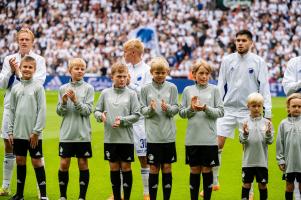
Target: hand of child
[
  {"x": 65, "y": 98},
  {"x": 153, "y": 105},
  {"x": 116, "y": 122},
  {"x": 282, "y": 167},
  {"x": 72, "y": 96},
  {"x": 11, "y": 139},
  {"x": 164, "y": 106},
  {"x": 104, "y": 117},
  {"x": 194, "y": 103},
  {"x": 269, "y": 127},
  {"x": 201, "y": 107},
  {"x": 34, "y": 139},
  {"x": 245, "y": 128}
]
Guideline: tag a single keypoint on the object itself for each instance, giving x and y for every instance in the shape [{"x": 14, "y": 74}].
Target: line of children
[{"x": 118, "y": 108}]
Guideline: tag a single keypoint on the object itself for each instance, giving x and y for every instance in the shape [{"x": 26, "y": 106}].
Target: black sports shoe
[{"x": 17, "y": 197}]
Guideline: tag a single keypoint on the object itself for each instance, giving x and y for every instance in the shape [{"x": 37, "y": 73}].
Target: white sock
[
  {"x": 121, "y": 181},
  {"x": 251, "y": 193},
  {"x": 145, "y": 174},
  {"x": 296, "y": 191},
  {"x": 8, "y": 167},
  {"x": 215, "y": 170}
]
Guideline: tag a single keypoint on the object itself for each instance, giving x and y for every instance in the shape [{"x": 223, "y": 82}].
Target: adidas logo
[
  {"x": 62, "y": 183},
  {"x": 18, "y": 181},
  {"x": 43, "y": 183},
  {"x": 61, "y": 150},
  {"x": 155, "y": 186},
  {"x": 129, "y": 158},
  {"x": 125, "y": 185},
  {"x": 82, "y": 183},
  {"x": 191, "y": 187},
  {"x": 173, "y": 158},
  {"x": 264, "y": 181},
  {"x": 38, "y": 153},
  {"x": 167, "y": 186},
  {"x": 87, "y": 154},
  {"x": 212, "y": 163}
]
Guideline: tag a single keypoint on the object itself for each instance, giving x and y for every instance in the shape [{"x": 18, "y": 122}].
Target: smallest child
[
  {"x": 288, "y": 145},
  {"x": 256, "y": 134},
  {"x": 26, "y": 122}
]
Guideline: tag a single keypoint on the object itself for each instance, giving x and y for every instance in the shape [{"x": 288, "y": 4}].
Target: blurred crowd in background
[{"x": 185, "y": 31}]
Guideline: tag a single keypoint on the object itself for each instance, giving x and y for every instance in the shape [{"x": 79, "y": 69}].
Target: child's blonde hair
[
  {"x": 25, "y": 30},
  {"x": 118, "y": 67},
  {"x": 255, "y": 97},
  {"x": 28, "y": 59},
  {"x": 76, "y": 62},
  {"x": 159, "y": 63},
  {"x": 196, "y": 66},
  {"x": 134, "y": 44},
  {"x": 292, "y": 96}
]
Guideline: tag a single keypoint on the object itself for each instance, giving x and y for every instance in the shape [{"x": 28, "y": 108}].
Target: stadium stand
[{"x": 182, "y": 31}]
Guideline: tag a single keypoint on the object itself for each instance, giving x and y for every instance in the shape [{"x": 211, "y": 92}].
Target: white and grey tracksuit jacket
[{"x": 241, "y": 75}]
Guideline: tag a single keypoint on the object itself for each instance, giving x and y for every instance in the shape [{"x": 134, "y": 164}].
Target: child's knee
[
  {"x": 246, "y": 185},
  {"x": 37, "y": 162},
  {"x": 166, "y": 168},
  {"x": 154, "y": 169},
  {"x": 262, "y": 186},
  {"x": 21, "y": 160},
  {"x": 289, "y": 187},
  {"x": 195, "y": 170},
  {"x": 83, "y": 164},
  {"x": 126, "y": 166},
  {"x": 206, "y": 169},
  {"x": 64, "y": 164}
]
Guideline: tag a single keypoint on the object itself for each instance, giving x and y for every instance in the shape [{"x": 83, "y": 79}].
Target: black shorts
[
  {"x": 201, "y": 155},
  {"x": 261, "y": 174},
  {"x": 75, "y": 149},
  {"x": 291, "y": 177},
  {"x": 160, "y": 153},
  {"x": 116, "y": 152},
  {"x": 21, "y": 146}
]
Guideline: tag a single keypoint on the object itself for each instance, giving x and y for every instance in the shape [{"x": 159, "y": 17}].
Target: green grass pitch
[{"x": 100, "y": 186}]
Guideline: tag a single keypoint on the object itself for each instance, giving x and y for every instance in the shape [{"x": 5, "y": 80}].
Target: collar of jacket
[
  {"x": 118, "y": 90},
  {"x": 201, "y": 86},
  {"x": 76, "y": 83},
  {"x": 158, "y": 85},
  {"x": 26, "y": 82}
]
